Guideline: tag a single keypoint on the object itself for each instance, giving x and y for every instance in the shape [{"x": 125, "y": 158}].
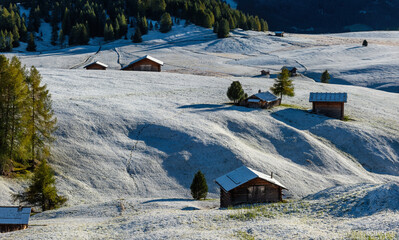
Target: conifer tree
[
  {"x": 2, "y": 42},
  {"x": 325, "y": 77},
  {"x": 41, "y": 122},
  {"x": 42, "y": 191},
  {"x": 199, "y": 188},
  {"x": 283, "y": 85},
  {"x": 224, "y": 29},
  {"x": 235, "y": 92},
  {"x": 31, "y": 43},
  {"x": 61, "y": 37},
  {"x": 137, "y": 36},
  {"x": 16, "y": 37},
  {"x": 143, "y": 25},
  {"x": 216, "y": 27},
  {"x": 365, "y": 43},
  {"x": 166, "y": 23}
]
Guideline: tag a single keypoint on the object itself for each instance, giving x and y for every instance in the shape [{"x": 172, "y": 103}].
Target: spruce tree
[
  {"x": 16, "y": 37},
  {"x": 216, "y": 27},
  {"x": 31, "y": 43},
  {"x": 42, "y": 191},
  {"x": 365, "y": 43},
  {"x": 283, "y": 85},
  {"x": 325, "y": 77},
  {"x": 166, "y": 23},
  {"x": 41, "y": 123},
  {"x": 199, "y": 188},
  {"x": 137, "y": 36},
  {"x": 235, "y": 92},
  {"x": 224, "y": 29}
]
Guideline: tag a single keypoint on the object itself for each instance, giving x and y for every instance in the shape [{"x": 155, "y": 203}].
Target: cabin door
[{"x": 256, "y": 194}]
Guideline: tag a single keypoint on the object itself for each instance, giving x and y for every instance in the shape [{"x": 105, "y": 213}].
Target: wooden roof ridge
[
  {"x": 96, "y": 62},
  {"x": 145, "y": 57}
]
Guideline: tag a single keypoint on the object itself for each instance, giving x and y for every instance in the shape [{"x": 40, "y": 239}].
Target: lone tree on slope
[
  {"x": 42, "y": 191},
  {"x": 199, "y": 188},
  {"x": 365, "y": 43},
  {"x": 325, "y": 77},
  {"x": 136, "y": 38},
  {"x": 31, "y": 44},
  {"x": 283, "y": 85},
  {"x": 235, "y": 92}
]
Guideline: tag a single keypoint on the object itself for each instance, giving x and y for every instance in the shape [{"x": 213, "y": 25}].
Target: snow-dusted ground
[{"x": 139, "y": 137}]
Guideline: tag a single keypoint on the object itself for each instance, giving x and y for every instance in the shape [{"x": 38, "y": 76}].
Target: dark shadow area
[
  {"x": 300, "y": 119},
  {"x": 169, "y": 200},
  {"x": 190, "y": 209},
  {"x": 218, "y": 107},
  {"x": 183, "y": 154}
]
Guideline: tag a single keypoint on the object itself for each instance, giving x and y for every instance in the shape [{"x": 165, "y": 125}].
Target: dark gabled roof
[
  {"x": 98, "y": 63},
  {"x": 243, "y": 175},
  {"x": 14, "y": 215},
  {"x": 145, "y": 57},
  {"x": 328, "y": 97}
]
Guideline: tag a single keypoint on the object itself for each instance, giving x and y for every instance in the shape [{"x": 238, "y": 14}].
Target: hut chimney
[
  {"x": 259, "y": 91},
  {"x": 271, "y": 175}
]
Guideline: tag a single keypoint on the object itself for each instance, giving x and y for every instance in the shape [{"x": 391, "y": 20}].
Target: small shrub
[{"x": 365, "y": 43}]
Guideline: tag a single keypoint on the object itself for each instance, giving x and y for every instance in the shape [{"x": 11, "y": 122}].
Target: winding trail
[{"x": 88, "y": 59}]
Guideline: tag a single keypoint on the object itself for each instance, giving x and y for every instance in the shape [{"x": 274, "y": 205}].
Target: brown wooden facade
[
  {"x": 255, "y": 191},
  {"x": 260, "y": 104},
  {"x": 144, "y": 65},
  {"x": 330, "y": 109},
  {"x": 12, "y": 227}
]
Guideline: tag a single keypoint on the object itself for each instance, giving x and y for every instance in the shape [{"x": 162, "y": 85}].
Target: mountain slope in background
[{"x": 321, "y": 16}]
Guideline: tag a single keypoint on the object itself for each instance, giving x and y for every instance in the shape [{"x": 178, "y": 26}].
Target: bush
[{"x": 199, "y": 188}]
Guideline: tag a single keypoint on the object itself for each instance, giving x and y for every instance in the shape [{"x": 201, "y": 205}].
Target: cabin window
[
  {"x": 256, "y": 194},
  {"x": 145, "y": 67}
]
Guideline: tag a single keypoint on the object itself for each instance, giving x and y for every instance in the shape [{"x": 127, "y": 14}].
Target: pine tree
[
  {"x": 42, "y": 191},
  {"x": 31, "y": 43},
  {"x": 41, "y": 123},
  {"x": 16, "y": 37},
  {"x": 54, "y": 35},
  {"x": 365, "y": 43},
  {"x": 283, "y": 85},
  {"x": 216, "y": 27},
  {"x": 143, "y": 25},
  {"x": 325, "y": 77},
  {"x": 235, "y": 92},
  {"x": 199, "y": 188},
  {"x": 137, "y": 36},
  {"x": 61, "y": 37},
  {"x": 109, "y": 32},
  {"x": 166, "y": 23},
  {"x": 224, "y": 29},
  {"x": 2, "y": 42}
]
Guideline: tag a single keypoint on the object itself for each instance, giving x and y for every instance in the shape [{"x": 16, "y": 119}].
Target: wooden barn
[
  {"x": 261, "y": 100},
  {"x": 329, "y": 104},
  {"x": 247, "y": 186},
  {"x": 146, "y": 63},
  {"x": 292, "y": 70},
  {"x": 96, "y": 66},
  {"x": 14, "y": 218},
  {"x": 279, "y": 34}
]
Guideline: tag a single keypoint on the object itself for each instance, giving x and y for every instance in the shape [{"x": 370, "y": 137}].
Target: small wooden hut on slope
[
  {"x": 14, "y": 218},
  {"x": 247, "y": 186},
  {"x": 261, "y": 100},
  {"x": 146, "y": 63},
  {"x": 329, "y": 104},
  {"x": 96, "y": 66}
]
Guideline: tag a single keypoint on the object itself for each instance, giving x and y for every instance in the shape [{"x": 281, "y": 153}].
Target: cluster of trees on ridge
[
  {"x": 81, "y": 20},
  {"x": 26, "y": 125}
]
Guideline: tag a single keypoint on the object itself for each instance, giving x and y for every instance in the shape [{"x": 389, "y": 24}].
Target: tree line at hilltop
[{"x": 76, "y": 21}]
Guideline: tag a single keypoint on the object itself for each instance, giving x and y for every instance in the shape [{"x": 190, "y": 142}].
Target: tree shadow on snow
[
  {"x": 169, "y": 200},
  {"x": 218, "y": 107}
]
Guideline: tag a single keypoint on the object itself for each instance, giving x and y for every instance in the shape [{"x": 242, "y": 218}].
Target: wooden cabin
[
  {"x": 146, "y": 63},
  {"x": 265, "y": 73},
  {"x": 292, "y": 71},
  {"x": 248, "y": 186},
  {"x": 261, "y": 100},
  {"x": 329, "y": 104},
  {"x": 96, "y": 66},
  {"x": 14, "y": 218},
  {"x": 279, "y": 34}
]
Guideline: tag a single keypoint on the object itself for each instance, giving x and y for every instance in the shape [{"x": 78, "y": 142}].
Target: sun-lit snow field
[{"x": 129, "y": 143}]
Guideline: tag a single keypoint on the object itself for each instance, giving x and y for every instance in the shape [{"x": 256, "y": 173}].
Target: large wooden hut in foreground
[
  {"x": 329, "y": 104},
  {"x": 96, "y": 66},
  {"x": 14, "y": 218},
  {"x": 146, "y": 63},
  {"x": 247, "y": 186},
  {"x": 261, "y": 100}
]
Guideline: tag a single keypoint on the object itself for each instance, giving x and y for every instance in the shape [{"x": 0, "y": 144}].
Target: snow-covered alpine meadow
[{"x": 129, "y": 143}]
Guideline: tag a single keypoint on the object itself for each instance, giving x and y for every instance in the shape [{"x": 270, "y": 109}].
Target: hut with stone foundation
[
  {"x": 248, "y": 186},
  {"x": 328, "y": 104}
]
